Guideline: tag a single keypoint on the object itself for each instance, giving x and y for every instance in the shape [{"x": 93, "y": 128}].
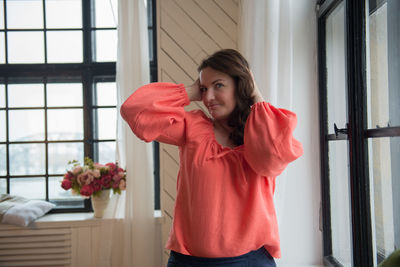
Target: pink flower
[
  {"x": 116, "y": 178},
  {"x": 77, "y": 170},
  {"x": 106, "y": 180},
  {"x": 112, "y": 166},
  {"x": 69, "y": 176},
  {"x": 121, "y": 174},
  {"x": 115, "y": 185},
  {"x": 96, "y": 173},
  {"x": 122, "y": 184},
  {"x": 86, "y": 190},
  {"x": 96, "y": 185},
  {"x": 85, "y": 178},
  {"x": 66, "y": 184}
]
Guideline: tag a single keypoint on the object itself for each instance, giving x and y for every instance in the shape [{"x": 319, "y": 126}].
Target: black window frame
[
  {"x": 89, "y": 72},
  {"x": 356, "y": 132}
]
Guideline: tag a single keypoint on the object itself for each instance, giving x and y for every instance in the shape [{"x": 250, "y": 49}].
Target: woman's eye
[
  {"x": 203, "y": 89},
  {"x": 219, "y": 85}
]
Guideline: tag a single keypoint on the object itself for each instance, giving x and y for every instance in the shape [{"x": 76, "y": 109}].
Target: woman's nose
[{"x": 209, "y": 95}]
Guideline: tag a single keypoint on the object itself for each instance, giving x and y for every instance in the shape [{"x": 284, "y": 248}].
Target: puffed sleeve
[
  {"x": 156, "y": 112},
  {"x": 269, "y": 145}
]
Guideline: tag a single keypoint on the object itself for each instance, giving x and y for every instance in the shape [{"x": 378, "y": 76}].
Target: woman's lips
[{"x": 213, "y": 106}]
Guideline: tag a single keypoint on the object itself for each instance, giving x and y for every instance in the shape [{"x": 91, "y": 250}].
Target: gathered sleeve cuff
[
  {"x": 156, "y": 112},
  {"x": 269, "y": 145}
]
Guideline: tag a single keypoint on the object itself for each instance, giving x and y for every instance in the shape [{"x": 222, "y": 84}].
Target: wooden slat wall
[{"x": 188, "y": 31}]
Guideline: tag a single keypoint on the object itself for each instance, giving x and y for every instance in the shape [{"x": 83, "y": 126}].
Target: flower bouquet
[{"x": 93, "y": 178}]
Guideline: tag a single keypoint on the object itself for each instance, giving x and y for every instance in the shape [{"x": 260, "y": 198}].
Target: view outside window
[
  {"x": 45, "y": 118},
  {"x": 383, "y": 111}
]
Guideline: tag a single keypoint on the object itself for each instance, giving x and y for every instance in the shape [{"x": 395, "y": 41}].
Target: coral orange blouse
[{"x": 224, "y": 204}]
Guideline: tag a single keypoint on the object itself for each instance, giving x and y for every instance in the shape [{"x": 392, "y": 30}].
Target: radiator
[{"x": 36, "y": 247}]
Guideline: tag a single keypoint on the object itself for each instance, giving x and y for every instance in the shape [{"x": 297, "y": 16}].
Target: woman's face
[{"x": 218, "y": 93}]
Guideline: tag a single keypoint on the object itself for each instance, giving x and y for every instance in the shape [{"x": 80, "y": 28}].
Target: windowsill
[
  {"x": 78, "y": 219},
  {"x": 114, "y": 212}
]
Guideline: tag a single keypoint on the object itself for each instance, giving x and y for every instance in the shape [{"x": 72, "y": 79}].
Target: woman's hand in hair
[
  {"x": 193, "y": 91},
  {"x": 256, "y": 93}
]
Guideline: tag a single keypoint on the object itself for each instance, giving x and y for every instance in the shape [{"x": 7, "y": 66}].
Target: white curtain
[
  {"x": 278, "y": 37},
  {"x": 135, "y": 155}
]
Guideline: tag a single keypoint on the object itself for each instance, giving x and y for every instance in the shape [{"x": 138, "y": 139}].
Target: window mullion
[
  {"x": 325, "y": 188},
  {"x": 359, "y": 179}
]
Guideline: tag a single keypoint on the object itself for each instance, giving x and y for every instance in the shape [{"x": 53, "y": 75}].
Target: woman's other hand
[
  {"x": 193, "y": 91},
  {"x": 256, "y": 93}
]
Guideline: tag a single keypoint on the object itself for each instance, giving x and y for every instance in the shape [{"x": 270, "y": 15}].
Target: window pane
[
  {"x": 24, "y": 14},
  {"x": 64, "y": 14},
  {"x": 3, "y": 186},
  {"x": 20, "y": 52},
  {"x": 26, "y": 125},
  {"x": 32, "y": 188},
  {"x": 27, "y": 159},
  {"x": 151, "y": 56},
  {"x": 64, "y": 46},
  {"x": 57, "y": 193},
  {"x": 384, "y": 81},
  {"x": 340, "y": 202},
  {"x": 107, "y": 121},
  {"x": 61, "y": 153},
  {"x": 149, "y": 13},
  {"x": 2, "y": 49},
  {"x": 106, "y": 152},
  {"x": 106, "y": 13},
  {"x": 1, "y": 15},
  {"x": 65, "y": 124},
  {"x": 2, "y": 96},
  {"x": 64, "y": 94},
  {"x": 3, "y": 161},
  {"x": 106, "y": 94},
  {"x": 385, "y": 187},
  {"x": 106, "y": 45},
  {"x": 2, "y": 126},
  {"x": 25, "y": 95},
  {"x": 336, "y": 69}
]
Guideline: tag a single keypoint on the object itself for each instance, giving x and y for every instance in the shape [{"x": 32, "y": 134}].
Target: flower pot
[{"x": 100, "y": 203}]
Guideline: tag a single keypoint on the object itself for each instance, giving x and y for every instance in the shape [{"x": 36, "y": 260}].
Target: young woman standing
[{"x": 224, "y": 213}]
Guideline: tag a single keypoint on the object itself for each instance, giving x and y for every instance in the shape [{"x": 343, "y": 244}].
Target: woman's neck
[{"x": 222, "y": 132}]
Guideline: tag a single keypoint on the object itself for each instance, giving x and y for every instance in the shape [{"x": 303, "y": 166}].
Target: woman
[{"x": 224, "y": 212}]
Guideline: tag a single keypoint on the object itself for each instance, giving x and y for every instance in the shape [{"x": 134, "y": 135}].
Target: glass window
[
  {"x": 20, "y": 52},
  {"x": 106, "y": 94},
  {"x": 107, "y": 123},
  {"x": 61, "y": 153},
  {"x": 106, "y": 13},
  {"x": 35, "y": 190},
  {"x": 65, "y": 124},
  {"x": 2, "y": 48},
  {"x": 25, "y": 95},
  {"x": 64, "y": 14},
  {"x": 27, "y": 159},
  {"x": 3, "y": 186},
  {"x": 383, "y": 101},
  {"x": 59, "y": 103},
  {"x": 64, "y": 94},
  {"x": 26, "y": 125},
  {"x": 2, "y": 126},
  {"x": 3, "y": 162},
  {"x": 106, "y": 45},
  {"x": 1, "y": 15},
  {"x": 336, "y": 69},
  {"x": 64, "y": 46},
  {"x": 32, "y": 18}
]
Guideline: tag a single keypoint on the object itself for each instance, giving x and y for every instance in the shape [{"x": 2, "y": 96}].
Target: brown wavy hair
[{"x": 232, "y": 63}]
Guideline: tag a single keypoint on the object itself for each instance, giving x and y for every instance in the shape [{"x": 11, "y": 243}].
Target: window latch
[{"x": 342, "y": 131}]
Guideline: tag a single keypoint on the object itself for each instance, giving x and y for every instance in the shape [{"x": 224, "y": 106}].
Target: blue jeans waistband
[{"x": 186, "y": 258}]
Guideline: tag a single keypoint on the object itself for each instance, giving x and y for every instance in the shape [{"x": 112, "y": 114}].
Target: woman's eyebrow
[{"x": 217, "y": 80}]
